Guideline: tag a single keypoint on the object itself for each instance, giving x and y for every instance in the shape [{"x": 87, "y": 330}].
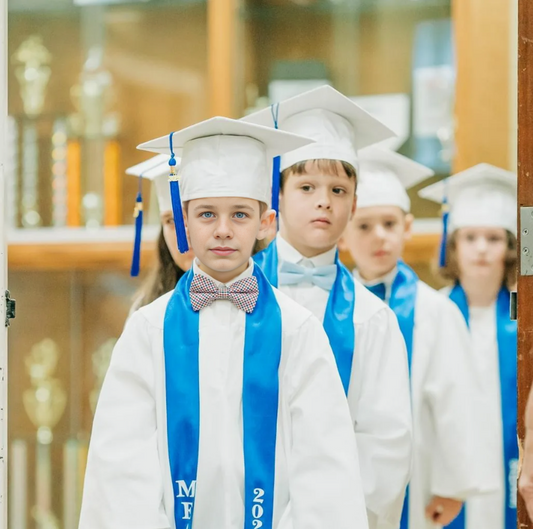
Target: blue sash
[
  {"x": 338, "y": 319},
  {"x": 402, "y": 302},
  {"x": 262, "y": 353},
  {"x": 507, "y": 357}
]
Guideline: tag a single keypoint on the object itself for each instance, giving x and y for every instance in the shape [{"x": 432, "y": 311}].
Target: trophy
[
  {"x": 101, "y": 359},
  {"x": 45, "y": 404},
  {"x": 95, "y": 124},
  {"x": 32, "y": 73}
]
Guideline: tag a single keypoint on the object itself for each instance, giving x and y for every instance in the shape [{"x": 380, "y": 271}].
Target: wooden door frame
[{"x": 525, "y": 198}]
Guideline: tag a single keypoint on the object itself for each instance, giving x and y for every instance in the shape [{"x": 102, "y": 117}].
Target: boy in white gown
[
  {"x": 316, "y": 201},
  {"x": 442, "y": 378},
  {"x": 222, "y": 401},
  {"x": 480, "y": 258}
]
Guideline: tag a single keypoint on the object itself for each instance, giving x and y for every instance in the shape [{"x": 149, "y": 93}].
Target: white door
[{"x": 3, "y": 268}]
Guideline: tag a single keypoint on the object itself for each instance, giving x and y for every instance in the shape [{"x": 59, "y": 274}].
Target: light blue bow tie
[{"x": 294, "y": 274}]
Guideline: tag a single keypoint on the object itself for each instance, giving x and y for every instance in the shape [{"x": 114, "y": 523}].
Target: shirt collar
[
  {"x": 287, "y": 252},
  {"x": 247, "y": 273}
]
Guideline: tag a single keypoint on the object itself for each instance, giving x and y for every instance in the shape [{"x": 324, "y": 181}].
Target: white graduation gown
[
  {"x": 443, "y": 384},
  {"x": 128, "y": 483},
  {"x": 487, "y": 510},
  {"x": 379, "y": 390}
]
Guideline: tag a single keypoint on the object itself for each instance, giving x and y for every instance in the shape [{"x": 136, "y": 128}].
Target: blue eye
[
  {"x": 207, "y": 215},
  {"x": 240, "y": 215}
]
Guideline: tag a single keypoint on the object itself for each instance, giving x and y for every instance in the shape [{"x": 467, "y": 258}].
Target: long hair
[
  {"x": 162, "y": 278},
  {"x": 451, "y": 272}
]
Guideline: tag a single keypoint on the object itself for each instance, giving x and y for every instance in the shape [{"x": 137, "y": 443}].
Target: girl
[
  {"x": 480, "y": 259},
  {"x": 170, "y": 264}
]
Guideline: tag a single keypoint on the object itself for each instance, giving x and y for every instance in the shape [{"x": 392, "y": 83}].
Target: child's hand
[{"x": 443, "y": 511}]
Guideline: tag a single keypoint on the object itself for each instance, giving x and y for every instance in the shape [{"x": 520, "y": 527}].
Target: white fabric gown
[
  {"x": 128, "y": 483},
  {"x": 443, "y": 386},
  {"x": 379, "y": 390},
  {"x": 487, "y": 510}
]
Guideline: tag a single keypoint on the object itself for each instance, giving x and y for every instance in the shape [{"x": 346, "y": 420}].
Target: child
[
  {"x": 434, "y": 331},
  {"x": 222, "y": 400},
  {"x": 481, "y": 260},
  {"x": 170, "y": 263},
  {"x": 317, "y": 199}
]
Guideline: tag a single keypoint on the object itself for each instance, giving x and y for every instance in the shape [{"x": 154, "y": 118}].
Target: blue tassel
[
  {"x": 276, "y": 173},
  {"x": 276, "y": 177},
  {"x": 177, "y": 209},
  {"x": 444, "y": 240},
  {"x": 138, "y": 215}
]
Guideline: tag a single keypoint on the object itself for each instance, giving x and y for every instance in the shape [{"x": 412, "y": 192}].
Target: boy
[
  {"x": 222, "y": 400},
  {"x": 436, "y": 336},
  {"x": 317, "y": 199}
]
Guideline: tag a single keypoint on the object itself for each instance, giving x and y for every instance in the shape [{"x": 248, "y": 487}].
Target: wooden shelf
[{"x": 110, "y": 249}]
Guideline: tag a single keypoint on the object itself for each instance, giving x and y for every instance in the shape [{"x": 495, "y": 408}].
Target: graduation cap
[
  {"x": 155, "y": 169},
  {"x": 339, "y": 127},
  {"x": 482, "y": 196},
  {"x": 384, "y": 177},
  {"x": 221, "y": 157}
]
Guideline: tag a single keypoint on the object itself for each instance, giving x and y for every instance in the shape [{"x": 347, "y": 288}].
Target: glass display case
[{"x": 91, "y": 79}]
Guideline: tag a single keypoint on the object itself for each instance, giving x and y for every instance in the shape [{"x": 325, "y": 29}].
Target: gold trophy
[
  {"x": 33, "y": 73},
  {"x": 101, "y": 359},
  {"x": 45, "y": 403}
]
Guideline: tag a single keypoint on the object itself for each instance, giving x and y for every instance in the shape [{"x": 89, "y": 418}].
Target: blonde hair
[{"x": 450, "y": 272}]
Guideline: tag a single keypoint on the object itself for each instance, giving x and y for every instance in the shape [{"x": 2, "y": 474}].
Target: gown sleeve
[
  {"x": 324, "y": 476},
  {"x": 448, "y": 389},
  {"x": 379, "y": 399},
  {"x": 123, "y": 481}
]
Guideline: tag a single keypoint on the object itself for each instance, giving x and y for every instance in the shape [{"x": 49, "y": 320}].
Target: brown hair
[
  {"x": 330, "y": 167},
  {"x": 450, "y": 272},
  {"x": 162, "y": 278}
]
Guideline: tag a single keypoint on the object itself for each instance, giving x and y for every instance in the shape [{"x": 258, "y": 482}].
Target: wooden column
[
  {"x": 222, "y": 47},
  {"x": 483, "y": 104},
  {"x": 525, "y": 198}
]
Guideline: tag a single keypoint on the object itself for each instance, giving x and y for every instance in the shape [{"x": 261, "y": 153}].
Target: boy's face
[
  {"x": 183, "y": 260},
  {"x": 223, "y": 231},
  {"x": 315, "y": 208},
  {"x": 375, "y": 239},
  {"x": 481, "y": 253}
]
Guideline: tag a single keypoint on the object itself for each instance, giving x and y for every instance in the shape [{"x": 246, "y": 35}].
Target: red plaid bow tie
[{"x": 243, "y": 293}]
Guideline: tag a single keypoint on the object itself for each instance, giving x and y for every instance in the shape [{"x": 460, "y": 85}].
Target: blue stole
[
  {"x": 402, "y": 301},
  {"x": 262, "y": 353},
  {"x": 507, "y": 358},
  {"x": 338, "y": 319}
]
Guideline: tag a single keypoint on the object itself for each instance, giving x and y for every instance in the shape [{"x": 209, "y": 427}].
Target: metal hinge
[
  {"x": 514, "y": 306},
  {"x": 11, "y": 308},
  {"x": 526, "y": 241}
]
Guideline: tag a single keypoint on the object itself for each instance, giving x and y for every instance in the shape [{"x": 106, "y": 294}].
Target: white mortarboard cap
[
  {"x": 156, "y": 169},
  {"x": 339, "y": 127},
  {"x": 223, "y": 157},
  {"x": 482, "y": 196},
  {"x": 384, "y": 176}
]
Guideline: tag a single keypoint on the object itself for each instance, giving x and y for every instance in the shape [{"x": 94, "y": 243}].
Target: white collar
[
  {"x": 247, "y": 273},
  {"x": 287, "y": 252}
]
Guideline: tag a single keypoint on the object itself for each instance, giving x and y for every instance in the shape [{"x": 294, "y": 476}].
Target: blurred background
[{"x": 91, "y": 79}]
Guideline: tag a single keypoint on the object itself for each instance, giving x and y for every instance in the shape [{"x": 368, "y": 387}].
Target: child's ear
[
  {"x": 267, "y": 220},
  {"x": 408, "y": 223},
  {"x": 354, "y": 207}
]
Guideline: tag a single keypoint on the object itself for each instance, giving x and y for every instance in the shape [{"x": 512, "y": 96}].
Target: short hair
[
  {"x": 450, "y": 271},
  {"x": 330, "y": 167}
]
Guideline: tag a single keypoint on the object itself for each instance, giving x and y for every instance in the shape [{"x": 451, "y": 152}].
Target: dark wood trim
[{"x": 525, "y": 198}]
